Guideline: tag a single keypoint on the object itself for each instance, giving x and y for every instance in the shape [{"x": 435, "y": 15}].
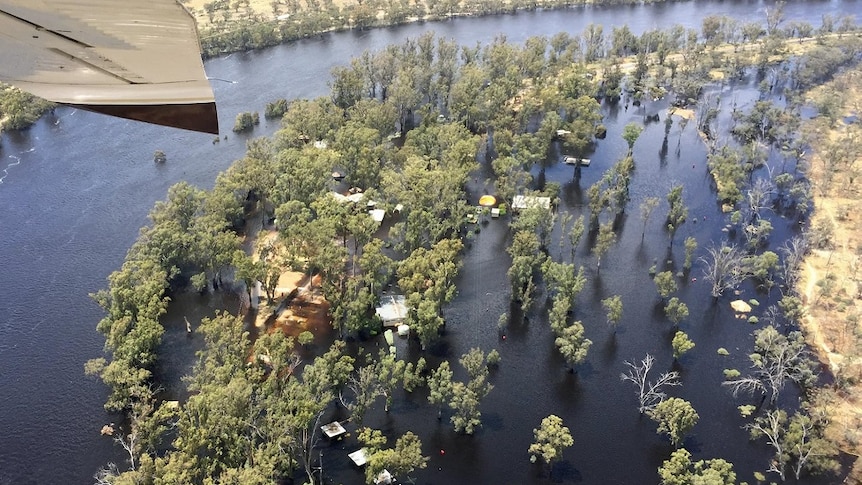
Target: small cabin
[
  {"x": 392, "y": 310},
  {"x": 527, "y": 201}
]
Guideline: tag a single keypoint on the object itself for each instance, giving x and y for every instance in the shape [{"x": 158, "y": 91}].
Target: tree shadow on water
[{"x": 564, "y": 472}]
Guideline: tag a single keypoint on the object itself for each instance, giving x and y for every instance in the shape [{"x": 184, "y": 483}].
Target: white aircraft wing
[{"x": 134, "y": 59}]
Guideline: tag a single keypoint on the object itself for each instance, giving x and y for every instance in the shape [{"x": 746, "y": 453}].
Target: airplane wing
[{"x": 129, "y": 58}]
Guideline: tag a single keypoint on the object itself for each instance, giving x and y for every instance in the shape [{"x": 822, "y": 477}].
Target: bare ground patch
[{"x": 831, "y": 283}]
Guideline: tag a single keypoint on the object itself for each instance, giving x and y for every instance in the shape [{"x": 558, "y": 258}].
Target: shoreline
[
  {"x": 344, "y": 15},
  {"x": 828, "y": 284}
]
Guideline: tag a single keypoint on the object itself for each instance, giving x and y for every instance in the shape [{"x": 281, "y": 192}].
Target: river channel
[{"x": 75, "y": 188}]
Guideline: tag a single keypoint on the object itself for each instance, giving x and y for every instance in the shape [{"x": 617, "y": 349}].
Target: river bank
[
  {"x": 227, "y": 27},
  {"x": 831, "y": 283}
]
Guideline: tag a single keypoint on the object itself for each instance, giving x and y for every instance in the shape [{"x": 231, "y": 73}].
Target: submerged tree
[
  {"x": 723, "y": 269},
  {"x": 798, "y": 443},
  {"x": 777, "y": 358},
  {"x": 573, "y": 345},
  {"x": 676, "y": 310},
  {"x": 606, "y": 238},
  {"x": 550, "y": 439},
  {"x": 440, "y": 386},
  {"x": 690, "y": 247},
  {"x": 675, "y": 417},
  {"x": 678, "y": 212},
  {"x": 681, "y": 344},
  {"x": 465, "y": 398},
  {"x": 401, "y": 460},
  {"x": 614, "y": 307},
  {"x": 649, "y": 393},
  {"x": 631, "y": 132},
  {"x": 665, "y": 284},
  {"x": 680, "y": 470},
  {"x": 647, "y": 207}
]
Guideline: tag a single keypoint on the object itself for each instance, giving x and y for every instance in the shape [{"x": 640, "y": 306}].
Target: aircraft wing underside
[{"x": 133, "y": 59}]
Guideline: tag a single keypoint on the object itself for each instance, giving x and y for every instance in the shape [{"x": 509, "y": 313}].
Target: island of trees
[{"x": 410, "y": 127}]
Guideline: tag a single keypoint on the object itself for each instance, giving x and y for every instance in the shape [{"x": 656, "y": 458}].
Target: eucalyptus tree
[
  {"x": 347, "y": 86},
  {"x": 665, "y": 284},
  {"x": 428, "y": 279},
  {"x": 675, "y": 417},
  {"x": 573, "y": 345},
  {"x": 777, "y": 358},
  {"x": 723, "y": 268},
  {"x": 434, "y": 205},
  {"x": 798, "y": 442},
  {"x": 440, "y": 386},
  {"x": 647, "y": 207},
  {"x": 575, "y": 234},
  {"x": 631, "y": 132},
  {"x": 613, "y": 306},
  {"x": 681, "y": 344},
  {"x": 526, "y": 260},
  {"x": 605, "y": 239},
  {"x": 676, "y": 310},
  {"x": 466, "y": 397},
  {"x": 308, "y": 120},
  {"x": 649, "y": 393},
  {"x": 303, "y": 174},
  {"x": 690, "y": 247},
  {"x": 549, "y": 441},
  {"x": 401, "y": 460},
  {"x": 679, "y": 469},
  {"x": 678, "y": 212},
  {"x": 360, "y": 150}
]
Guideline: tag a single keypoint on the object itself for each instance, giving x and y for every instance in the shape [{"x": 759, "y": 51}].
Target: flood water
[{"x": 77, "y": 186}]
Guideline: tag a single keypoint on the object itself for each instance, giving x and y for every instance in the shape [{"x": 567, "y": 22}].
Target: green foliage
[
  {"x": 440, "y": 386},
  {"x": 646, "y": 209},
  {"x": 245, "y": 121},
  {"x": 778, "y": 358},
  {"x": 680, "y": 470},
  {"x": 466, "y": 397},
  {"x": 631, "y": 132},
  {"x": 275, "y": 109},
  {"x": 728, "y": 172},
  {"x": 665, "y": 284},
  {"x": 613, "y": 305},
  {"x": 562, "y": 279},
  {"x": 681, "y": 344},
  {"x": 731, "y": 373},
  {"x": 722, "y": 351},
  {"x": 428, "y": 279},
  {"x": 746, "y": 410},
  {"x": 464, "y": 402},
  {"x": 675, "y": 417},
  {"x": 678, "y": 212},
  {"x": 550, "y": 439},
  {"x": 798, "y": 442},
  {"x": 690, "y": 247},
  {"x": 19, "y": 109},
  {"x": 413, "y": 377},
  {"x": 305, "y": 337},
  {"x": 605, "y": 239},
  {"x": 493, "y": 358},
  {"x": 676, "y": 310},
  {"x": 401, "y": 460},
  {"x": 572, "y": 344}
]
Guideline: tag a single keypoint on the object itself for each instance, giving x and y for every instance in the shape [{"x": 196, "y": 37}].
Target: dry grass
[{"x": 831, "y": 283}]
